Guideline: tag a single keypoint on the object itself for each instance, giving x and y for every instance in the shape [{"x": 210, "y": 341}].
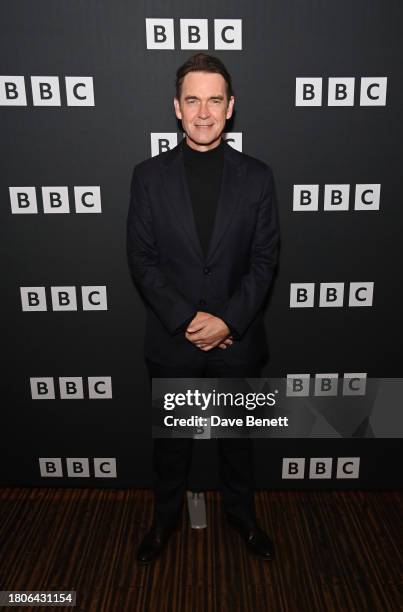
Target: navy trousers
[{"x": 172, "y": 456}]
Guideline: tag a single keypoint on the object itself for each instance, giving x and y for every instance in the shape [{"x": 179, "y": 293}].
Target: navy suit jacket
[{"x": 169, "y": 268}]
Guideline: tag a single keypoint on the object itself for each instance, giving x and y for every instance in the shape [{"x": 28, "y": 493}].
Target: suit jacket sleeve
[
  {"x": 232, "y": 329},
  {"x": 248, "y": 297},
  {"x": 170, "y": 306}
]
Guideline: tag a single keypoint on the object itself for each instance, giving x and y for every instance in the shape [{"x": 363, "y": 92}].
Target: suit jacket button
[{"x": 206, "y": 270}]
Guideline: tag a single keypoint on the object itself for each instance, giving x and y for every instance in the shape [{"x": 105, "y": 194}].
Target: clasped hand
[{"x": 207, "y": 331}]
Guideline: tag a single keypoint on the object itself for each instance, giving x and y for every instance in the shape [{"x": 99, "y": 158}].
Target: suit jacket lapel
[
  {"x": 229, "y": 198},
  {"x": 179, "y": 197}
]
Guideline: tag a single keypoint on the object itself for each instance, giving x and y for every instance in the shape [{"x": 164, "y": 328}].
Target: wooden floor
[{"x": 336, "y": 551}]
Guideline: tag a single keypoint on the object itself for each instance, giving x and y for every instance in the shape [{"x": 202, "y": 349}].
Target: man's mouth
[{"x": 203, "y": 126}]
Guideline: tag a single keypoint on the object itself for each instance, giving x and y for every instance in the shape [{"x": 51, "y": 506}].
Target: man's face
[{"x": 203, "y": 109}]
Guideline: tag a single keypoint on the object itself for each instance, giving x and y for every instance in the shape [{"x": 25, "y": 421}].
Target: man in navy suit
[{"x": 202, "y": 245}]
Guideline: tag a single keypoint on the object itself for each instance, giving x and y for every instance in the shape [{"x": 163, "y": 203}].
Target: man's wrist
[
  {"x": 231, "y": 328},
  {"x": 185, "y": 325}
]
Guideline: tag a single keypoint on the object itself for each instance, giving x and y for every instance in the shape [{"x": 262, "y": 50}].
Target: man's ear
[
  {"x": 230, "y": 107},
  {"x": 177, "y": 108}
]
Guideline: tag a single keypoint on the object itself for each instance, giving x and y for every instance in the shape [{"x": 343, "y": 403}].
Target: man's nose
[{"x": 204, "y": 111}]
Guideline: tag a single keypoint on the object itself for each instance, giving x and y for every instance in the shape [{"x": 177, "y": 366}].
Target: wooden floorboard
[{"x": 336, "y": 551}]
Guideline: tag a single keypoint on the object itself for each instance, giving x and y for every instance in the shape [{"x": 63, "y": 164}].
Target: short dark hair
[{"x": 202, "y": 62}]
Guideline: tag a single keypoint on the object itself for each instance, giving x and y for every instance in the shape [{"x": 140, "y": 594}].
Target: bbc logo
[
  {"x": 45, "y": 90},
  {"x": 77, "y": 467},
  {"x": 308, "y": 91},
  {"x": 71, "y": 387},
  {"x": 194, "y": 34},
  {"x": 320, "y": 467},
  {"x": 33, "y": 299},
  {"x": 23, "y": 200},
  {"x": 351, "y": 384},
  {"x": 165, "y": 141},
  {"x": 336, "y": 197},
  {"x": 331, "y": 295}
]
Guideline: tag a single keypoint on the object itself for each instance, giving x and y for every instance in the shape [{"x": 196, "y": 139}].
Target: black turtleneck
[{"x": 203, "y": 173}]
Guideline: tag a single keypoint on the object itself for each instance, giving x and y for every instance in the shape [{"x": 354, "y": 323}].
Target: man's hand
[{"x": 207, "y": 331}]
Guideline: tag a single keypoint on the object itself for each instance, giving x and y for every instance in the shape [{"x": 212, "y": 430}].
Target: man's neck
[{"x": 203, "y": 148}]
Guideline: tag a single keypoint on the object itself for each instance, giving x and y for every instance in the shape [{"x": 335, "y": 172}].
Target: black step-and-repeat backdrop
[{"x": 86, "y": 92}]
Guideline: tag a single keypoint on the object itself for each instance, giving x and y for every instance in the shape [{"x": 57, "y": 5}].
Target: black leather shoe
[
  {"x": 154, "y": 543},
  {"x": 254, "y": 537}
]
